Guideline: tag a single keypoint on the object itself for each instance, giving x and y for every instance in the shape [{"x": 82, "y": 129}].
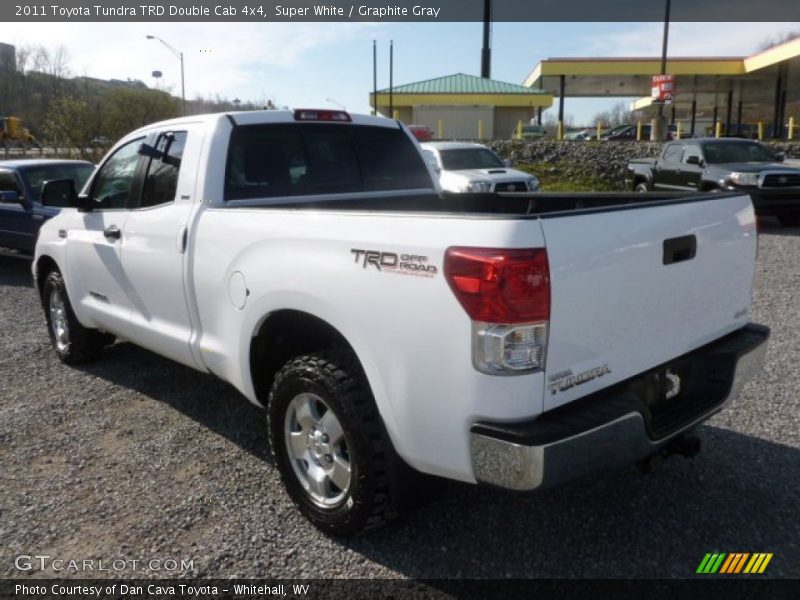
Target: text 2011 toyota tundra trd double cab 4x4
[{"x": 309, "y": 259}]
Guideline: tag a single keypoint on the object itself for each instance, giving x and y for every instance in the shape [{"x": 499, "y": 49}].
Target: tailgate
[{"x": 627, "y": 294}]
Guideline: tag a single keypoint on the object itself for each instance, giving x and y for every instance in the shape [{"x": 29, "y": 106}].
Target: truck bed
[{"x": 503, "y": 204}]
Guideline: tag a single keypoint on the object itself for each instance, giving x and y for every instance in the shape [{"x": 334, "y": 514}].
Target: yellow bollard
[
  {"x": 441, "y": 129},
  {"x": 760, "y": 130},
  {"x": 396, "y": 115},
  {"x": 638, "y": 131},
  {"x": 599, "y": 129},
  {"x": 519, "y": 130},
  {"x": 561, "y": 130},
  {"x": 718, "y": 131},
  {"x": 678, "y": 130},
  {"x": 792, "y": 126},
  {"x": 480, "y": 129}
]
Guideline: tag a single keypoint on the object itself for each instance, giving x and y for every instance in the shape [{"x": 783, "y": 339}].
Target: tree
[
  {"x": 126, "y": 109},
  {"x": 777, "y": 40},
  {"x": 70, "y": 124}
]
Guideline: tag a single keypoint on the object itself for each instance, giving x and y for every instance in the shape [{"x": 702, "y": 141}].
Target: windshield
[
  {"x": 733, "y": 152},
  {"x": 470, "y": 158},
  {"x": 35, "y": 176}
]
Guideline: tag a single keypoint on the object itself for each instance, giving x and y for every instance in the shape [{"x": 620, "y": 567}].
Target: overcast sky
[{"x": 325, "y": 64}]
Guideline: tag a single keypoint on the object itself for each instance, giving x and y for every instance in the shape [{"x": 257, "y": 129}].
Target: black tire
[
  {"x": 336, "y": 378},
  {"x": 790, "y": 220},
  {"x": 641, "y": 187},
  {"x": 74, "y": 344}
]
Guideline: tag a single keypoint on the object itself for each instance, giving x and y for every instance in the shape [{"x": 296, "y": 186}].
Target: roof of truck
[{"x": 255, "y": 117}]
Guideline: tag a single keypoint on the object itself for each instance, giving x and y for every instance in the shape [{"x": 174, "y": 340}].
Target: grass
[{"x": 559, "y": 181}]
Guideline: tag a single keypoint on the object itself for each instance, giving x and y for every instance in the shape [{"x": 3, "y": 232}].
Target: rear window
[{"x": 317, "y": 158}]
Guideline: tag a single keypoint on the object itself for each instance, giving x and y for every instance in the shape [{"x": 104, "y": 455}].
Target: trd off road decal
[{"x": 391, "y": 262}]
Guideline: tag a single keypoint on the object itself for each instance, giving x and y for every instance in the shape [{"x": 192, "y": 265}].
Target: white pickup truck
[{"x": 309, "y": 259}]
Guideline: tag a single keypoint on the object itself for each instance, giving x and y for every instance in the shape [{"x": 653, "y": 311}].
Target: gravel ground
[{"x": 138, "y": 458}]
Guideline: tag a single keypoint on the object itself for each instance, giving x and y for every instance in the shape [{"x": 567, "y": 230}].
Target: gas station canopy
[{"x": 769, "y": 79}]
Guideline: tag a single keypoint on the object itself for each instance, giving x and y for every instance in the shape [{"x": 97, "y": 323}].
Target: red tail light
[
  {"x": 311, "y": 114},
  {"x": 500, "y": 285}
]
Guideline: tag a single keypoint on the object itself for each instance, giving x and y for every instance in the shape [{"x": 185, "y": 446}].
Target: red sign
[{"x": 663, "y": 88}]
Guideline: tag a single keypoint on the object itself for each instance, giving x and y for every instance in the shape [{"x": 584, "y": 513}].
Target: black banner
[
  {"x": 398, "y": 10},
  {"x": 730, "y": 588}
]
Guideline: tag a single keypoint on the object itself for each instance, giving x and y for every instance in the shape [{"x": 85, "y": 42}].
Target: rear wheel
[
  {"x": 72, "y": 342},
  {"x": 330, "y": 445}
]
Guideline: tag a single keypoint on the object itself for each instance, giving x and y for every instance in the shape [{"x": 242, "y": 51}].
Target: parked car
[
  {"x": 580, "y": 135},
  {"x": 468, "y": 167},
  {"x": 723, "y": 164},
  {"x": 518, "y": 341},
  {"x": 422, "y": 132},
  {"x": 21, "y": 210},
  {"x": 100, "y": 141},
  {"x": 531, "y": 132}
]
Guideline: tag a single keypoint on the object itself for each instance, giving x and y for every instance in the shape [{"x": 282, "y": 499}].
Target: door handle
[
  {"x": 679, "y": 249},
  {"x": 112, "y": 232}
]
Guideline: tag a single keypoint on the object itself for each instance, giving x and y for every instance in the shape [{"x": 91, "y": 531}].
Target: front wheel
[
  {"x": 333, "y": 453},
  {"x": 641, "y": 188},
  {"x": 72, "y": 342}
]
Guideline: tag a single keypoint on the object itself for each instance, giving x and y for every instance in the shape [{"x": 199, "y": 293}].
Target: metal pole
[
  {"x": 714, "y": 127},
  {"x": 486, "y": 51},
  {"x": 658, "y": 130},
  {"x": 739, "y": 116},
  {"x": 391, "y": 77},
  {"x": 728, "y": 110},
  {"x": 183, "y": 88},
  {"x": 539, "y": 115},
  {"x": 783, "y": 114},
  {"x": 374, "y": 77},
  {"x": 561, "y": 86},
  {"x": 777, "y": 112},
  {"x": 694, "y": 116}
]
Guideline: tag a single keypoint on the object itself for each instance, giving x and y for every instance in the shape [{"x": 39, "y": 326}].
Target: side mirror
[
  {"x": 60, "y": 193},
  {"x": 10, "y": 197},
  {"x": 694, "y": 160},
  {"x": 507, "y": 162}
]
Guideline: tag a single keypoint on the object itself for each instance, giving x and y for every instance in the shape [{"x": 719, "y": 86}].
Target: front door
[{"x": 100, "y": 293}]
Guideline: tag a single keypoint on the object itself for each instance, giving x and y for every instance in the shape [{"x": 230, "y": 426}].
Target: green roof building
[{"x": 464, "y": 106}]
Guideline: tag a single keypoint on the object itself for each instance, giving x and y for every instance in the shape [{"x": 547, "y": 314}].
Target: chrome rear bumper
[{"x": 613, "y": 428}]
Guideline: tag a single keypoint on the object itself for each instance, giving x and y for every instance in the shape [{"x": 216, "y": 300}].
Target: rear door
[
  {"x": 633, "y": 288},
  {"x": 154, "y": 245}
]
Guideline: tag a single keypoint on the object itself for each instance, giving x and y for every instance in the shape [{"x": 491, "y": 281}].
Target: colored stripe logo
[{"x": 734, "y": 563}]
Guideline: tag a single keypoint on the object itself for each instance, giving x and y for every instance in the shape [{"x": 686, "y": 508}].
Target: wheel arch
[
  {"x": 45, "y": 265},
  {"x": 284, "y": 334}
]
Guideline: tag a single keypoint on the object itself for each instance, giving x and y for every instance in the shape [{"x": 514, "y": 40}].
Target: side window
[
  {"x": 672, "y": 153},
  {"x": 161, "y": 181},
  {"x": 691, "y": 151},
  {"x": 111, "y": 187},
  {"x": 9, "y": 183}
]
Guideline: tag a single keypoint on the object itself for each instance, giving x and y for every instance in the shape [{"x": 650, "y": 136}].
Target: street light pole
[
  {"x": 658, "y": 126},
  {"x": 179, "y": 54}
]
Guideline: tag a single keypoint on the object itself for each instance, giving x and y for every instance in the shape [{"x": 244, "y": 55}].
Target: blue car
[{"x": 21, "y": 212}]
